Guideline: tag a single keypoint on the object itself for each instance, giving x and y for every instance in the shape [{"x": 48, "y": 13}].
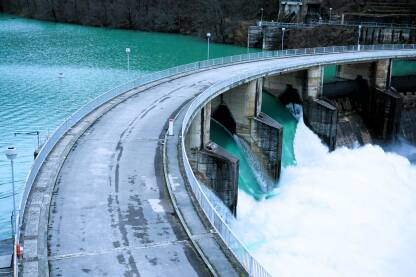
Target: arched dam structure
[{"x": 118, "y": 188}]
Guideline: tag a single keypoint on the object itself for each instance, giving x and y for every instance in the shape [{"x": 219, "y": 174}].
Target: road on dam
[{"x": 110, "y": 211}]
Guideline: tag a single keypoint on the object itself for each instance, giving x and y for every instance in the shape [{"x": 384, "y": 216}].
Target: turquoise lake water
[{"x": 91, "y": 60}]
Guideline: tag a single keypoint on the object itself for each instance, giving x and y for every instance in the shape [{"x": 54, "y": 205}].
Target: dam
[
  {"x": 268, "y": 157},
  {"x": 91, "y": 168}
]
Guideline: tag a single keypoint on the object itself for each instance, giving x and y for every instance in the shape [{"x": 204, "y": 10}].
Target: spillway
[
  {"x": 248, "y": 181},
  {"x": 349, "y": 212}
]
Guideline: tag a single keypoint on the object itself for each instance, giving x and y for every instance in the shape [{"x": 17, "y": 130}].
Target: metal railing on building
[{"x": 335, "y": 22}]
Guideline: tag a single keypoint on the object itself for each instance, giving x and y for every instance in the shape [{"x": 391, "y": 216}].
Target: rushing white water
[
  {"x": 263, "y": 180},
  {"x": 351, "y": 212}
]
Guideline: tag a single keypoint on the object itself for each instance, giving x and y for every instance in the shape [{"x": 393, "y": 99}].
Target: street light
[
  {"x": 330, "y": 14},
  {"x": 261, "y": 18},
  {"x": 128, "y": 51},
  {"x": 248, "y": 41},
  {"x": 31, "y": 133},
  {"x": 359, "y": 37},
  {"x": 283, "y": 36},
  {"x": 11, "y": 154},
  {"x": 208, "y": 38}
]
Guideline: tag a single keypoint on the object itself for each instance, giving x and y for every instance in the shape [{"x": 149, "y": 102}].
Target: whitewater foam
[{"x": 351, "y": 212}]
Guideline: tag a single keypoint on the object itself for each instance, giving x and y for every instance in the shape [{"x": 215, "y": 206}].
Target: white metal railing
[
  {"x": 70, "y": 122},
  {"x": 335, "y": 22}
]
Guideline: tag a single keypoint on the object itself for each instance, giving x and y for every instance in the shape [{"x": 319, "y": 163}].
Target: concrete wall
[
  {"x": 321, "y": 116},
  {"x": 278, "y": 84},
  {"x": 218, "y": 170},
  {"x": 243, "y": 103},
  {"x": 408, "y": 116},
  {"x": 269, "y": 37},
  {"x": 384, "y": 119},
  {"x": 378, "y": 74},
  {"x": 381, "y": 35},
  {"x": 266, "y": 143},
  {"x": 308, "y": 83}
]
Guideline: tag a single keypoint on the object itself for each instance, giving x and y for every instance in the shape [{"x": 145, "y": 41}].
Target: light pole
[
  {"x": 11, "y": 154},
  {"x": 359, "y": 37},
  {"x": 261, "y": 18},
  {"x": 31, "y": 133},
  {"x": 330, "y": 14},
  {"x": 248, "y": 41},
  {"x": 128, "y": 51},
  {"x": 283, "y": 36},
  {"x": 208, "y": 38}
]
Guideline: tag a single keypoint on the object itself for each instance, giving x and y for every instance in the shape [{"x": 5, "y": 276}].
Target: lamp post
[
  {"x": 11, "y": 154},
  {"x": 261, "y": 18},
  {"x": 330, "y": 14},
  {"x": 248, "y": 41},
  {"x": 128, "y": 51},
  {"x": 359, "y": 37},
  {"x": 31, "y": 133},
  {"x": 208, "y": 39},
  {"x": 283, "y": 36}
]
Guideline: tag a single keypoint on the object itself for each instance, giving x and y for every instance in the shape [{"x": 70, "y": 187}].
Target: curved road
[{"x": 110, "y": 212}]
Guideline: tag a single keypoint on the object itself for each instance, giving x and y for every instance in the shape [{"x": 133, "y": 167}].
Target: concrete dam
[
  {"x": 123, "y": 185},
  {"x": 365, "y": 105}
]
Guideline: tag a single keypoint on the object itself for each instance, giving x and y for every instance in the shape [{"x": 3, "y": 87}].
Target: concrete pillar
[
  {"x": 199, "y": 131},
  {"x": 242, "y": 102},
  {"x": 315, "y": 82},
  {"x": 194, "y": 133},
  {"x": 382, "y": 74}
]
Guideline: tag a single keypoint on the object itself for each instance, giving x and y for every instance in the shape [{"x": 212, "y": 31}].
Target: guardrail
[
  {"x": 335, "y": 23},
  {"x": 152, "y": 77}
]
